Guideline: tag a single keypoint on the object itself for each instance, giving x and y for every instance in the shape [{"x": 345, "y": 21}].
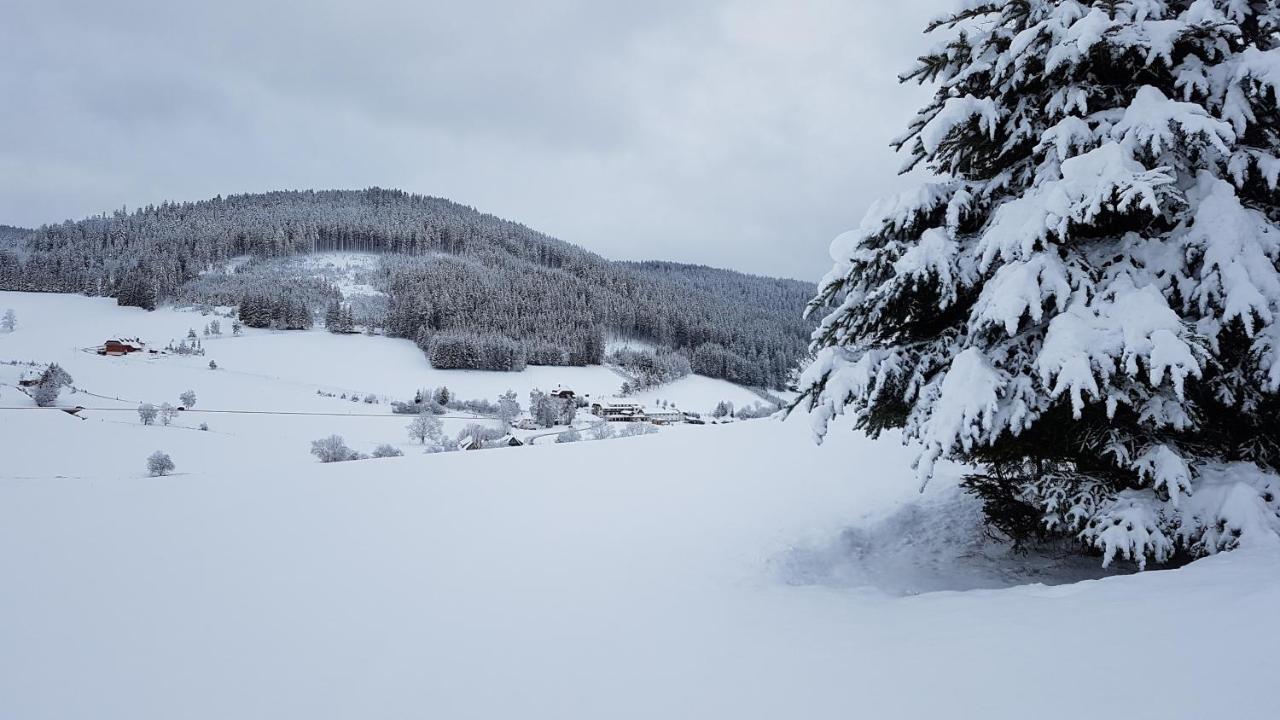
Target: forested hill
[{"x": 493, "y": 292}]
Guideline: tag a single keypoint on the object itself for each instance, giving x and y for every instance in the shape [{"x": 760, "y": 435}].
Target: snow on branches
[{"x": 1083, "y": 304}]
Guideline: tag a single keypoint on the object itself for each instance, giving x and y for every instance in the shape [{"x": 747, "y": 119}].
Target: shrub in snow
[
  {"x": 569, "y": 436},
  {"x": 383, "y": 451},
  {"x": 724, "y": 408},
  {"x": 634, "y": 429},
  {"x": 147, "y": 413},
  {"x": 332, "y": 449},
  {"x": 213, "y": 365},
  {"x": 602, "y": 431},
  {"x": 1084, "y": 304},
  {"x": 9, "y": 321},
  {"x": 204, "y": 426},
  {"x": 159, "y": 463},
  {"x": 167, "y": 413},
  {"x": 188, "y": 399}
]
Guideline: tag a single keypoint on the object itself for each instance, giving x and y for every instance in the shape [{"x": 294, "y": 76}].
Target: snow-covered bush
[
  {"x": 159, "y": 463},
  {"x": 634, "y": 429},
  {"x": 384, "y": 451},
  {"x": 569, "y": 436},
  {"x": 213, "y": 365},
  {"x": 188, "y": 399},
  {"x": 332, "y": 449},
  {"x": 755, "y": 410},
  {"x": 147, "y": 413},
  {"x": 167, "y": 413},
  {"x": 1084, "y": 303},
  {"x": 10, "y": 321},
  {"x": 602, "y": 431}
]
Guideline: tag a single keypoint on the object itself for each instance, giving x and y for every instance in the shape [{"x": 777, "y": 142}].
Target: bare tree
[
  {"x": 425, "y": 427},
  {"x": 147, "y": 413}
]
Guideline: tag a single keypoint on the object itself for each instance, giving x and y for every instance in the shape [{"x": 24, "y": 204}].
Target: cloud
[{"x": 735, "y": 133}]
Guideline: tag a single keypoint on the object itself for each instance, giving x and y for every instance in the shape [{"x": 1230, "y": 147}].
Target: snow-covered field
[
  {"x": 733, "y": 571},
  {"x": 263, "y": 370}
]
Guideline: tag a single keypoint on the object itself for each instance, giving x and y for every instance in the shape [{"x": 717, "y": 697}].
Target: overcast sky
[{"x": 742, "y": 134}]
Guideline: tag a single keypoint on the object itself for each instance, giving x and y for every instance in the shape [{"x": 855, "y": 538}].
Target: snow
[
  {"x": 53, "y": 327},
  {"x": 732, "y": 571}
]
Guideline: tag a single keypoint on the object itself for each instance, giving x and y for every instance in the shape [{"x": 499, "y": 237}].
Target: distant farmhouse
[
  {"x": 122, "y": 346},
  {"x": 619, "y": 411}
]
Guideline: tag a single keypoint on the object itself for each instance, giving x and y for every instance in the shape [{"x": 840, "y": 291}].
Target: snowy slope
[
  {"x": 613, "y": 579},
  {"x": 52, "y": 327},
  {"x": 733, "y": 571}
]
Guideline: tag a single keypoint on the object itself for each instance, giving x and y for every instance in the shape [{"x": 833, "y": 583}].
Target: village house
[
  {"x": 122, "y": 346},
  {"x": 665, "y": 416}
]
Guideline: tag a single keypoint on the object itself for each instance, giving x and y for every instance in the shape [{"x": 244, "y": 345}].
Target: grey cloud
[{"x": 736, "y": 133}]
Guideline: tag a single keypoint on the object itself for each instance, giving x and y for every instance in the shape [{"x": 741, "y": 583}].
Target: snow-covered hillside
[
  {"x": 733, "y": 571},
  {"x": 262, "y": 370}
]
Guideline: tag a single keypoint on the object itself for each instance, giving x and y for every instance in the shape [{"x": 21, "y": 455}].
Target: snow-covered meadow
[
  {"x": 260, "y": 371},
  {"x": 733, "y": 571}
]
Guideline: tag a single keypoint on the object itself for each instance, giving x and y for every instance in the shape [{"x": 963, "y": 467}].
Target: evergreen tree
[{"x": 1084, "y": 304}]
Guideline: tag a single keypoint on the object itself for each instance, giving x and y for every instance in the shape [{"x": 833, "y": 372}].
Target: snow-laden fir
[{"x": 1085, "y": 301}]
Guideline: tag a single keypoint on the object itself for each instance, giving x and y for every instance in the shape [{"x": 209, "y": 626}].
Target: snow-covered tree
[
  {"x": 508, "y": 408},
  {"x": 147, "y": 413},
  {"x": 425, "y": 427},
  {"x": 213, "y": 365},
  {"x": 569, "y": 436},
  {"x": 188, "y": 399},
  {"x": 159, "y": 464},
  {"x": 1084, "y": 304},
  {"x": 167, "y": 413},
  {"x": 50, "y": 384},
  {"x": 332, "y": 449},
  {"x": 386, "y": 450},
  {"x": 10, "y": 321},
  {"x": 544, "y": 409}
]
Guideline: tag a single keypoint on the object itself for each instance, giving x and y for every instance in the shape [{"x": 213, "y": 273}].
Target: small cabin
[
  {"x": 30, "y": 378},
  {"x": 563, "y": 393}
]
